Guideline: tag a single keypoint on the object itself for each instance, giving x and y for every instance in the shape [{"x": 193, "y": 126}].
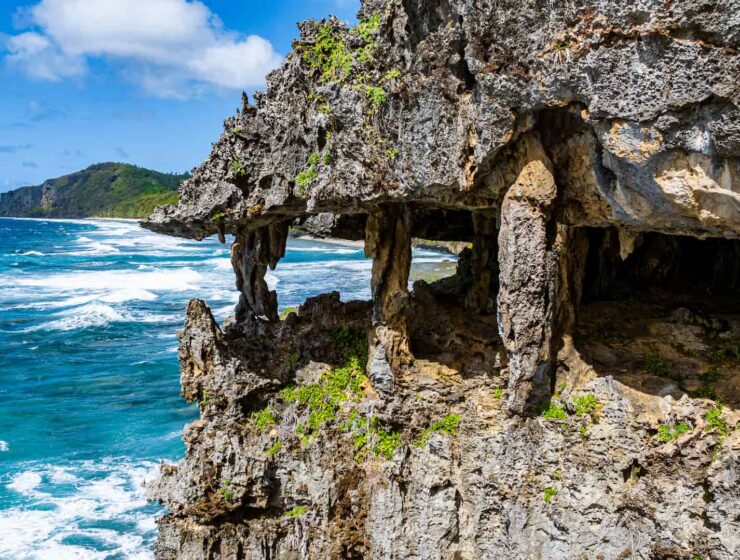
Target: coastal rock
[{"x": 589, "y": 152}]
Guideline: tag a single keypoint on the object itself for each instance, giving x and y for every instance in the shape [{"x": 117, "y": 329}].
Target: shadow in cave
[{"x": 665, "y": 320}]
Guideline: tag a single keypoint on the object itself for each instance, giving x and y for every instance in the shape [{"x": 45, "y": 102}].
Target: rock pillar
[
  {"x": 388, "y": 242},
  {"x": 528, "y": 264},
  {"x": 251, "y": 254}
]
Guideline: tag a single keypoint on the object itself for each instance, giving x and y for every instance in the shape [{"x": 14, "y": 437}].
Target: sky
[{"x": 147, "y": 82}]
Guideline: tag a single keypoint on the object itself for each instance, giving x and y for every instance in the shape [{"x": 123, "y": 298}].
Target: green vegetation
[
  {"x": 297, "y": 511},
  {"x": 376, "y": 95},
  {"x": 391, "y": 75},
  {"x": 204, "y": 399},
  {"x": 448, "y": 425},
  {"x": 274, "y": 448},
  {"x": 656, "y": 365},
  {"x": 391, "y": 154},
  {"x": 669, "y": 432},
  {"x": 291, "y": 360},
  {"x": 553, "y": 411},
  {"x": 306, "y": 177},
  {"x": 226, "y": 491},
  {"x": 370, "y": 438},
  {"x": 111, "y": 190},
  {"x": 550, "y": 493},
  {"x": 716, "y": 423},
  {"x": 328, "y": 400},
  {"x": 263, "y": 419},
  {"x": 586, "y": 405},
  {"x": 287, "y": 311},
  {"x": 498, "y": 393},
  {"x": 218, "y": 216},
  {"x": 237, "y": 168}
]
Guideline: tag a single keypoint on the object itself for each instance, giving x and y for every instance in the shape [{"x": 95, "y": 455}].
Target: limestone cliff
[{"x": 573, "y": 391}]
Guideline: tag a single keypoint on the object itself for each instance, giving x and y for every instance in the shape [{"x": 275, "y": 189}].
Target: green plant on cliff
[
  {"x": 553, "y": 411},
  {"x": 669, "y": 432},
  {"x": 342, "y": 384},
  {"x": 226, "y": 491},
  {"x": 448, "y": 425},
  {"x": 586, "y": 405},
  {"x": 263, "y": 419},
  {"x": 716, "y": 423},
  {"x": 550, "y": 493},
  {"x": 274, "y": 448},
  {"x": 657, "y": 365},
  {"x": 237, "y": 168},
  {"x": 297, "y": 511}
]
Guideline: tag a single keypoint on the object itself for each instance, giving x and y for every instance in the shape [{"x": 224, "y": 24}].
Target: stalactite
[{"x": 251, "y": 254}]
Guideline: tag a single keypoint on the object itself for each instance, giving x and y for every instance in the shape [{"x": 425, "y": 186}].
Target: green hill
[{"x": 113, "y": 190}]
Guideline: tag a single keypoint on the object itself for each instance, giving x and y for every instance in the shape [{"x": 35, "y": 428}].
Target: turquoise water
[{"x": 89, "y": 377}]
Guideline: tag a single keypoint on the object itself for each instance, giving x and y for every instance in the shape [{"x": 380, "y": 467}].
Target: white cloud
[{"x": 169, "y": 47}]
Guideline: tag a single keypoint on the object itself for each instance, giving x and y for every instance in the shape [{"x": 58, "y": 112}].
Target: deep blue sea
[{"x": 89, "y": 380}]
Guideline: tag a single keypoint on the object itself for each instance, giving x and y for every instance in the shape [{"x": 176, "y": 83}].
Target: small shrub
[
  {"x": 297, "y": 511},
  {"x": 226, "y": 491},
  {"x": 498, "y": 393},
  {"x": 583, "y": 431},
  {"x": 313, "y": 159},
  {"x": 391, "y": 154},
  {"x": 552, "y": 411},
  {"x": 447, "y": 425},
  {"x": 716, "y": 423},
  {"x": 291, "y": 360},
  {"x": 712, "y": 375},
  {"x": 669, "y": 432},
  {"x": 656, "y": 365},
  {"x": 391, "y": 75},
  {"x": 237, "y": 168},
  {"x": 263, "y": 419},
  {"x": 376, "y": 95},
  {"x": 218, "y": 216},
  {"x": 274, "y": 448},
  {"x": 550, "y": 493},
  {"x": 204, "y": 399},
  {"x": 306, "y": 177},
  {"x": 586, "y": 405}
]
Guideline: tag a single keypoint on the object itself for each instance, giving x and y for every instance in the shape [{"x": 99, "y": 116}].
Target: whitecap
[
  {"x": 91, "y": 315},
  {"x": 32, "y": 254},
  {"x": 4, "y": 446},
  {"x": 47, "y": 524},
  {"x": 25, "y": 482}
]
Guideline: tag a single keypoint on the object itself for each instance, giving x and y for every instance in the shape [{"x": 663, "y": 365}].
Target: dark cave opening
[{"x": 665, "y": 319}]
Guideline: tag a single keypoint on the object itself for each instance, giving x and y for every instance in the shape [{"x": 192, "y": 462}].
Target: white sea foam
[
  {"x": 32, "y": 254},
  {"x": 47, "y": 524},
  {"x": 90, "y": 315},
  {"x": 4, "y": 446}
]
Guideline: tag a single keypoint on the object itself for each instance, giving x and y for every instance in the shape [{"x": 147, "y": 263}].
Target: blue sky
[{"x": 147, "y": 82}]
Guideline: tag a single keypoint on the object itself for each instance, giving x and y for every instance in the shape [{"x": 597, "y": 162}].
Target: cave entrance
[
  {"x": 666, "y": 318},
  {"x": 453, "y": 333}
]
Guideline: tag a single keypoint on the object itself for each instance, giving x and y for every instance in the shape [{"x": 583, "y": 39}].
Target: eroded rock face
[{"x": 526, "y": 129}]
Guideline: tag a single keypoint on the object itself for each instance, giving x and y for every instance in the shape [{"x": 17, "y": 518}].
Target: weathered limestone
[
  {"x": 482, "y": 294},
  {"x": 604, "y": 137},
  {"x": 251, "y": 254},
  {"x": 388, "y": 242},
  {"x": 528, "y": 265}
]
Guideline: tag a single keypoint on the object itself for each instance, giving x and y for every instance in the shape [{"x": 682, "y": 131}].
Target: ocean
[{"x": 89, "y": 379}]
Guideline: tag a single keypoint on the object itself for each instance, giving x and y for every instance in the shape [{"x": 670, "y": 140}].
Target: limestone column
[
  {"x": 528, "y": 278},
  {"x": 251, "y": 254},
  {"x": 388, "y": 242},
  {"x": 482, "y": 294}
]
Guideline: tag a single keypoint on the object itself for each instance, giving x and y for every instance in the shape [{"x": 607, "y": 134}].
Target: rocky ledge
[{"x": 573, "y": 390}]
